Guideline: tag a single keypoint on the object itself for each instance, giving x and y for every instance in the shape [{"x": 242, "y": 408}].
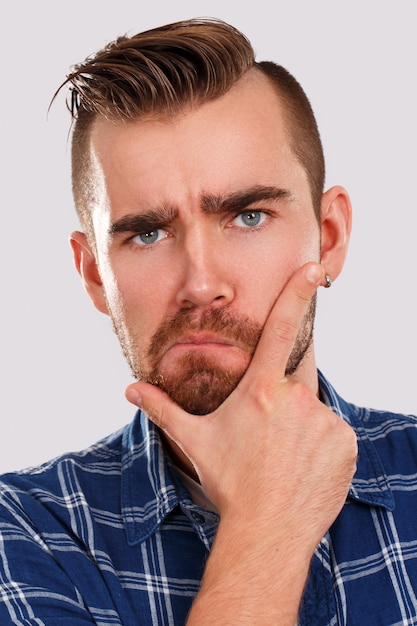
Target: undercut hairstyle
[{"x": 162, "y": 72}]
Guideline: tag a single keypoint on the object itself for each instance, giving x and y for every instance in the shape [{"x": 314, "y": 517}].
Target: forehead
[{"x": 237, "y": 141}]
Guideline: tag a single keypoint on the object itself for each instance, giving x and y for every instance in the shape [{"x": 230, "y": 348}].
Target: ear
[
  {"x": 336, "y": 224},
  {"x": 86, "y": 265}
]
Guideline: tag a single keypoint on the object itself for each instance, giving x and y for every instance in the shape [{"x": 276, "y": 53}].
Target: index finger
[{"x": 285, "y": 321}]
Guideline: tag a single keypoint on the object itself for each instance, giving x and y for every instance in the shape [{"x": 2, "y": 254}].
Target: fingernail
[
  {"x": 134, "y": 397},
  {"x": 314, "y": 274}
]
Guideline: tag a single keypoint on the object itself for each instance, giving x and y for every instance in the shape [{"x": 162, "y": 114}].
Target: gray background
[{"x": 63, "y": 376}]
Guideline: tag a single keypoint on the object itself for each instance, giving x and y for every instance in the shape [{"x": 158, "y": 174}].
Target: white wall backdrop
[{"x": 62, "y": 373}]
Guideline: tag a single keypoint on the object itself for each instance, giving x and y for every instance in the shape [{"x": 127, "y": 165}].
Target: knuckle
[
  {"x": 262, "y": 396},
  {"x": 304, "y": 295},
  {"x": 353, "y": 443},
  {"x": 290, "y": 396},
  {"x": 286, "y": 331},
  {"x": 303, "y": 393},
  {"x": 347, "y": 443}
]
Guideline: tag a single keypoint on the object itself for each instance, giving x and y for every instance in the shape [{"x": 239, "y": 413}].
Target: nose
[{"x": 205, "y": 277}]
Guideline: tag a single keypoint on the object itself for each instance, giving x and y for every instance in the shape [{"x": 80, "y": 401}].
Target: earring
[{"x": 328, "y": 281}]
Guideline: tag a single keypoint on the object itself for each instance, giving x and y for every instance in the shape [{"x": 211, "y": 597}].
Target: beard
[{"x": 200, "y": 384}]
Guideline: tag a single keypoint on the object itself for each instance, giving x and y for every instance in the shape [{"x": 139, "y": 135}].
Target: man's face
[{"x": 202, "y": 220}]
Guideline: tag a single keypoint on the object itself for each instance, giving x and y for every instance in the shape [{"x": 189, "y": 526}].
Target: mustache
[{"x": 239, "y": 329}]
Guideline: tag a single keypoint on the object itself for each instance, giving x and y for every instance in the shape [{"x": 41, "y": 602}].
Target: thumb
[{"x": 176, "y": 423}]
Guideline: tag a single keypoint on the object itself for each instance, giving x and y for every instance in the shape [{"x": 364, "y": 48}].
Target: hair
[{"x": 167, "y": 69}]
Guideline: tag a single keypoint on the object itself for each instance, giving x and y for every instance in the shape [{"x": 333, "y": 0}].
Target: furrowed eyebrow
[
  {"x": 143, "y": 222},
  {"x": 240, "y": 200},
  {"x": 210, "y": 204}
]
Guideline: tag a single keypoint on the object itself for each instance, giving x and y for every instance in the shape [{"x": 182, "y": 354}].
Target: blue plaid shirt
[{"x": 111, "y": 536}]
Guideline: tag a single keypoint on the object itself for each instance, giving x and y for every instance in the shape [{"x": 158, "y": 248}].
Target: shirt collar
[
  {"x": 151, "y": 487},
  {"x": 149, "y": 492},
  {"x": 370, "y": 483}
]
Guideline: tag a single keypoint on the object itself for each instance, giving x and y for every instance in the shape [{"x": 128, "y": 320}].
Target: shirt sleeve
[{"x": 45, "y": 578}]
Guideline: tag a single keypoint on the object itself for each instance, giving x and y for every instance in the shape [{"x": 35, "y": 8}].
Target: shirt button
[{"x": 198, "y": 517}]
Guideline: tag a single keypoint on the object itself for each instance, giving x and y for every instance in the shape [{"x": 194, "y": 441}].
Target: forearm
[{"x": 251, "y": 579}]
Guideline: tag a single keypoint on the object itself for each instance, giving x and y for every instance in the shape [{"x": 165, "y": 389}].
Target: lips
[
  {"x": 200, "y": 342},
  {"x": 212, "y": 330},
  {"x": 202, "y": 338},
  {"x": 210, "y": 345}
]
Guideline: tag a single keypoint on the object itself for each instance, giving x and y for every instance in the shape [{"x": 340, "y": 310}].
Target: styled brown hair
[{"x": 166, "y": 69}]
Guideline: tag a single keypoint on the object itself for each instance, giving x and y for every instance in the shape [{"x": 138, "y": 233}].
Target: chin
[{"x": 199, "y": 385}]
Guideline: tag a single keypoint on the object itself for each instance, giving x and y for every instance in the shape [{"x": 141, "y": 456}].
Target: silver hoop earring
[{"x": 328, "y": 281}]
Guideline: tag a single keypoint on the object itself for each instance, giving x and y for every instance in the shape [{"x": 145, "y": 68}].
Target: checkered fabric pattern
[{"x": 110, "y": 536}]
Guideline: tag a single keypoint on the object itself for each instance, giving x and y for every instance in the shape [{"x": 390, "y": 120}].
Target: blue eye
[
  {"x": 250, "y": 218},
  {"x": 151, "y": 236}
]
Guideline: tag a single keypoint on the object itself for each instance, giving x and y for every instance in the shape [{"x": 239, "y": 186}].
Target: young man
[{"x": 245, "y": 491}]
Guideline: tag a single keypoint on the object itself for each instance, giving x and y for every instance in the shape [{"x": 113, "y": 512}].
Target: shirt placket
[{"x": 318, "y": 606}]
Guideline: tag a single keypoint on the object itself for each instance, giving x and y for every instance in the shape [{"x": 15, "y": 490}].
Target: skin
[{"x": 203, "y": 260}]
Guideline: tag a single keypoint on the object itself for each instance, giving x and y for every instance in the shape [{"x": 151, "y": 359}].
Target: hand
[
  {"x": 278, "y": 465},
  {"x": 272, "y": 450}
]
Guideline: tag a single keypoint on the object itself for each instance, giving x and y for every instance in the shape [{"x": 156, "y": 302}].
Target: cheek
[
  {"x": 267, "y": 273},
  {"x": 276, "y": 262},
  {"x": 138, "y": 303}
]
